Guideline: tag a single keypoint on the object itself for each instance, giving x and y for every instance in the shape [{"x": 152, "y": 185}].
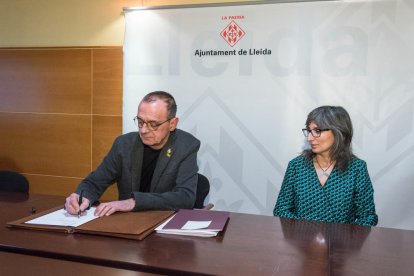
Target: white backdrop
[{"x": 248, "y": 105}]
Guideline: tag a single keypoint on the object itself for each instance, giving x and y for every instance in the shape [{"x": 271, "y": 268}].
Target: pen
[{"x": 80, "y": 202}]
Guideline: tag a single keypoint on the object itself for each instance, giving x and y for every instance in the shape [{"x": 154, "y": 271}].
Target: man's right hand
[{"x": 72, "y": 204}]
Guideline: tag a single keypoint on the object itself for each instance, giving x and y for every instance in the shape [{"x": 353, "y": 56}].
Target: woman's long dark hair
[{"x": 337, "y": 119}]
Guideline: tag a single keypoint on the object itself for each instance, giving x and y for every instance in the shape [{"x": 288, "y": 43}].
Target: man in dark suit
[{"x": 154, "y": 168}]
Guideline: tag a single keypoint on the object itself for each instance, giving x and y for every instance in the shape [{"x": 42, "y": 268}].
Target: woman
[{"x": 327, "y": 182}]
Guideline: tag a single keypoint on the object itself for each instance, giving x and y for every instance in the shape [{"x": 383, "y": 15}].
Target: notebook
[{"x": 196, "y": 222}]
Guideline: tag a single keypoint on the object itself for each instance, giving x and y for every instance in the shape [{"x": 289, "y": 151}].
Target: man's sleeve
[{"x": 95, "y": 184}]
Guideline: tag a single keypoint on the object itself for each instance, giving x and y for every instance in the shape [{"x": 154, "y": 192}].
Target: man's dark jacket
[{"x": 173, "y": 185}]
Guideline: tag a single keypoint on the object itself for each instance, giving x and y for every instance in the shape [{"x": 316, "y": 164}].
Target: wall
[
  {"x": 60, "y": 110},
  {"x": 248, "y": 107},
  {"x": 28, "y": 23}
]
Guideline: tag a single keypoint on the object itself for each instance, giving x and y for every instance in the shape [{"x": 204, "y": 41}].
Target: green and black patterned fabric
[{"x": 347, "y": 197}]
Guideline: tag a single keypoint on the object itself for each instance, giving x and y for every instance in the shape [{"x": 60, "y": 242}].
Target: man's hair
[
  {"x": 337, "y": 119},
  {"x": 164, "y": 96}
]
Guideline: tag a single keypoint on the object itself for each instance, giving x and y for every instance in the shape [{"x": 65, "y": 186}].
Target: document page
[
  {"x": 63, "y": 218},
  {"x": 193, "y": 225}
]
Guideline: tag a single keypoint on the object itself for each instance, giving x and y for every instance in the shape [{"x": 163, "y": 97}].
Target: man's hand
[
  {"x": 72, "y": 204},
  {"x": 108, "y": 208}
]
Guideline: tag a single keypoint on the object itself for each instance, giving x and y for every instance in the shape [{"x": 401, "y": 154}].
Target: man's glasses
[
  {"x": 151, "y": 125},
  {"x": 316, "y": 132}
]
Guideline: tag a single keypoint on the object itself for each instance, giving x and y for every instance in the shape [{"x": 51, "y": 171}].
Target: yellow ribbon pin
[{"x": 169, "y": 153}]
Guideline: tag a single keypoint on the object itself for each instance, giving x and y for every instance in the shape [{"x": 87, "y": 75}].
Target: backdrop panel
[{"x": 245, "y": 77}]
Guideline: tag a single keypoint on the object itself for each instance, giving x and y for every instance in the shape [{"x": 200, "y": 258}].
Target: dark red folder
[{"x": 218, "y": 219}]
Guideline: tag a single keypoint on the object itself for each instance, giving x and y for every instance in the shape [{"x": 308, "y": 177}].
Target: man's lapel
[{"x": 163, "y": 159}]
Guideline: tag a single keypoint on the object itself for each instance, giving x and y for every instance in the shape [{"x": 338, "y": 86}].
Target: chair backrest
[
  {"x": 203, "y": 188},
  {"x": 13, "y": 182}
]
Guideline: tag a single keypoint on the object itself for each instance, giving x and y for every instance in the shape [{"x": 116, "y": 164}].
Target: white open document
[{"x": 63, "y": 218}]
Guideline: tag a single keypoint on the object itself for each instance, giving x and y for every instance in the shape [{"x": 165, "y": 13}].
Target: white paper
[
  {"x": 195, "y": 233},
  {"x": 192, "y": 225},
  {"x": 63, "y": 218}
]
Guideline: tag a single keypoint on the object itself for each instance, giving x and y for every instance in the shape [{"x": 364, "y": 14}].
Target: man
[{"x": 155, "y": 169}]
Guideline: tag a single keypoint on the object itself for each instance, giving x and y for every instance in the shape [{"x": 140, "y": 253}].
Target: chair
[
  {"x": 13, "y": 182},
  {"x": 203, "y": 188}
]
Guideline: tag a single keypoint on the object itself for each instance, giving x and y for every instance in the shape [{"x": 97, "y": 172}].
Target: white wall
[{"x": 248, "y": 109}]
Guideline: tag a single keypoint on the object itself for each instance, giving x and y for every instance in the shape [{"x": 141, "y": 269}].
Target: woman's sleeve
[
  {"x": 364, "y": 199},
  {"x": 285, "y": 205}
]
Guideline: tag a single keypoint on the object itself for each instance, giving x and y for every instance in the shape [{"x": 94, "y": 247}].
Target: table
[
  {"x": 251, "y": 245},
  {"x": 20, "y": 264}
]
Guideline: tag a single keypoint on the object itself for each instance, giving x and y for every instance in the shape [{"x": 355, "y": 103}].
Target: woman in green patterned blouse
[{"x": 327, "y": 182}]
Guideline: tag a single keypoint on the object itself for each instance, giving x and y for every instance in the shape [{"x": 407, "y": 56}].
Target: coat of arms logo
[{"x": 232, "y": 33}]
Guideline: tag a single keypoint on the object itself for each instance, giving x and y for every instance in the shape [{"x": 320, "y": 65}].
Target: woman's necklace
[{"x": 324, "y": 171}]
